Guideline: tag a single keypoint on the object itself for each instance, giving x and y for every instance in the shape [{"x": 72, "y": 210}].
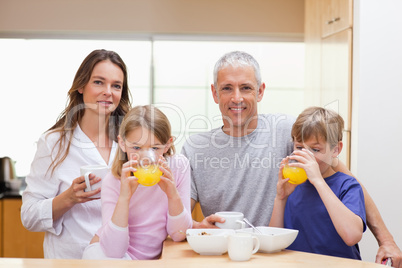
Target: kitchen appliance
[{"x": 7, "y": 172}]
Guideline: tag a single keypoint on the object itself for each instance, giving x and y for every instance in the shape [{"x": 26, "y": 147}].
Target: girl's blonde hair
[
  {"x": 148, "y": 117},
  {"x": 315, "y": 122}
]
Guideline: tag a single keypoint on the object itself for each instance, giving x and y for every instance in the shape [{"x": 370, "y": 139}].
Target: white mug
[
  {"x": 99, "y": 171},
  {"x": 241, "y": 246},
  {"x": 233, "y": 220}
]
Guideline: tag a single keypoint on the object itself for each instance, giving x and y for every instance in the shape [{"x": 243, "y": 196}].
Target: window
[
  {"x": 36, "y": 76},
  {"x": 174, "y": 75},
  {"x": 184, "y": 73}
]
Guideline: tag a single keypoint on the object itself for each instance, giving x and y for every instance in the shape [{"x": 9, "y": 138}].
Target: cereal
[{"x": 204, "y": 233}]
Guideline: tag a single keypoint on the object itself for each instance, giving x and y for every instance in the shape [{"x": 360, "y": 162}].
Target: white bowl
[
  {"x": 209, "y": 241},
  {"x": 273, "y": 239}
]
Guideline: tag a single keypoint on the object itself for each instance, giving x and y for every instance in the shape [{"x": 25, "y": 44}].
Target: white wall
[{"x": 377, "y": 96}]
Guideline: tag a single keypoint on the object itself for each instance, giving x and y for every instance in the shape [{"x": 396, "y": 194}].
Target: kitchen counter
[
  {"x": 7, "y": 192},
  {"x": 179, "y": 254},
  {"x": 15, "y": 240},
  {"x": 11, "y": 194}
]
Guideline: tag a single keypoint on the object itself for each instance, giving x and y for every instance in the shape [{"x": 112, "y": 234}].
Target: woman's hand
[
  {"x": 75, "y": 194},
  {"x": 128, "y": 182}
]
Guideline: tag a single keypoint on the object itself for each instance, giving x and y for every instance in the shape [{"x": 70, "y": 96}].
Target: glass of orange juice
[
  {"x": 296, "y": 175},
  {"x": 148, "y": 173}
]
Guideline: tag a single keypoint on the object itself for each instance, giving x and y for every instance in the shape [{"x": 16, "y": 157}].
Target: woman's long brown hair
[{"x": 75, "y": 109}]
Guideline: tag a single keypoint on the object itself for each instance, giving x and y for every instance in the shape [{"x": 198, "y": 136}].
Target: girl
[
  {"x": 85, "y": 134},
  {"x": 137, "y": 219}
]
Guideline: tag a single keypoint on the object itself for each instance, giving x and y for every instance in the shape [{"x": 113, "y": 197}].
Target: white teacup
[
  {"x": 99, "y": 171},
  {"x": 233, "y": 220},
  {"x": 241, "y": 246}
]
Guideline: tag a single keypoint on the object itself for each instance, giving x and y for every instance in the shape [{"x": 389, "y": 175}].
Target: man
[{"x": 235, "y": 167}]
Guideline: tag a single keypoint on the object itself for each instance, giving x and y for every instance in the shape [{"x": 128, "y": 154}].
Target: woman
[{"x": 85, "y": 134}]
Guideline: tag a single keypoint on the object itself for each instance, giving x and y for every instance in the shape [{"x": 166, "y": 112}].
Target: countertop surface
[
  {"x": 7, "y": 192},
  {"x": 179, "y": 254},
  {"x": 11, "y": 194}
]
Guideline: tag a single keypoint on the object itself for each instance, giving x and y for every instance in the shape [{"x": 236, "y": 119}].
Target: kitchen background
[
  {"x": 181, "y": 74},
  {"x": 42, "y": 44}
]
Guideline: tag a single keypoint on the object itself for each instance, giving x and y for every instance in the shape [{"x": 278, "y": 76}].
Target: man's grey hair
[{"x": 237, "y": 59}]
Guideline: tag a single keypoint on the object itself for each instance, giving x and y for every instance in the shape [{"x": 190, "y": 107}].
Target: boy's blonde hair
[
  {"x": 318, "y": 122},
  {"x": 148, "y": 117}
]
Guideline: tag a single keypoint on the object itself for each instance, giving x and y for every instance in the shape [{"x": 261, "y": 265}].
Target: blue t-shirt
[{"x": 306, "y": 212}]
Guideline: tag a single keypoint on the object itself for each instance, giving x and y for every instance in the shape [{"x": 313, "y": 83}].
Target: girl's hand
[
  {"x": 283, "y": 187},
  {"x": 167, "y": 182},
  {"x": 308, "y": 162},
  {"x": 128, "y": 182}
]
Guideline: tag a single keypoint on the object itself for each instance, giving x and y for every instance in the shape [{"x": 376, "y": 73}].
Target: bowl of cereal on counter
[{"x": 209, "y": 241}]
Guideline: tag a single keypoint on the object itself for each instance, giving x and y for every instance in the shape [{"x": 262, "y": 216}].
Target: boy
[{"x": 328, "y": 209}]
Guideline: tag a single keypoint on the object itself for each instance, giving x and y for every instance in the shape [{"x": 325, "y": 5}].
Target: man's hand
[
  {"x": 208, "y": 222},
  {"x": 390, "y": 250}
]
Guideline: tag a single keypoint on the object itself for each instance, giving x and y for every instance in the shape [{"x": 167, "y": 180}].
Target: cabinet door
[
  {"x": 312, "y": 39},
  {"x": 197, "y": 213},
  {"x": 1, "y": 228},
  {"x": 336, "y": 82},
  {"x": 17, "y": 241},
  {"x": 336, "y": 16}
]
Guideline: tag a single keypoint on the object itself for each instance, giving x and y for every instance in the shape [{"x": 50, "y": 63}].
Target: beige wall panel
[{"x": 257, "y": 17}]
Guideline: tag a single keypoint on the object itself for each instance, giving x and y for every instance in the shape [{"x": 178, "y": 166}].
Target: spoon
[{"x": 252, "y": 226}]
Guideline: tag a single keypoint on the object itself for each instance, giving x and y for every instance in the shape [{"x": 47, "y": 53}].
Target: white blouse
[{"x": 68, "y": 236}]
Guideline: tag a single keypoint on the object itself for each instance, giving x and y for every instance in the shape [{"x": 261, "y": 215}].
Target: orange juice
[
  {"x": 149, "y": 175},
  {"x": 296, "y": 175}
]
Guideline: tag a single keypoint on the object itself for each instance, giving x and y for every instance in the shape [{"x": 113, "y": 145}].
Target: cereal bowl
[
  {"x": 209, "y": 241},
  {"x": 273, "y": 239}
]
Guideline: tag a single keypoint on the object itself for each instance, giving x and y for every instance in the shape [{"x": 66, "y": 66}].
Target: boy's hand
[
  {"x": 308, "y": 162},
  {"x": 283, "y": 188}
]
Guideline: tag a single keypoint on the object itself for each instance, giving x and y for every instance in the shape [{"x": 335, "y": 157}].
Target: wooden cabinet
[
  {"x": 336, "y": 81},
  {"x": 16, "y": 241},
  {"x": 197, "y": 213},
  {"x": 312, "y": 39},
  {"x": 1, "y": 228},
  {"x": 336, "y": 16},
  {"x": 336, "y": 69},
  {"x": 328, "y": 39}
]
